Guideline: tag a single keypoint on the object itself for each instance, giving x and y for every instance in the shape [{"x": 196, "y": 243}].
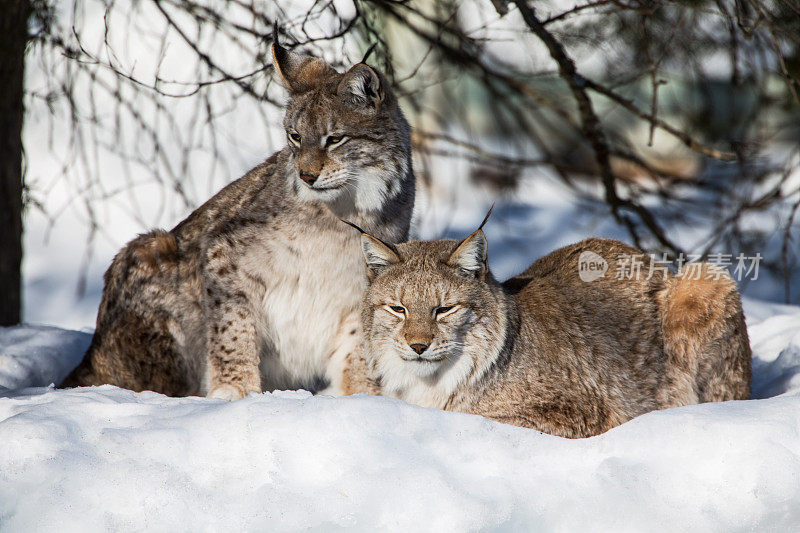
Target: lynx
[
  {"x": 545, "y": 349},
  {"x": 261, "y": 287}
]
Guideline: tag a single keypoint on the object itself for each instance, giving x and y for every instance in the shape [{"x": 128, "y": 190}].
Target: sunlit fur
[
  {"x": 545, "y": 349},
  {"x": 261, "y": 287}
]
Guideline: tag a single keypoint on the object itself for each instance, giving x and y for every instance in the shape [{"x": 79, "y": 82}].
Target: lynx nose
[
  {"x": 308, "y": 177},
  {"x": 419, "y": 347}
]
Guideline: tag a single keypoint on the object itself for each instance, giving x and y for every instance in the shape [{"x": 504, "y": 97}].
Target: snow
[
  {"x": 105, "y": 458},
  {"x": 776, "y": 352},
  {"x": 37, "y": 355}
]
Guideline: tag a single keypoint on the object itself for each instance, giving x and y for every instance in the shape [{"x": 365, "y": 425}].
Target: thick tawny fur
[
  {"x": 545, "y": 349},
  {"x": 705, "y": 337},
  {"x": 261, "y": 287}
]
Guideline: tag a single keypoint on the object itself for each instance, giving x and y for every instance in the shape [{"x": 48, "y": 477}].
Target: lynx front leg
[
  {"x": 348, "y": 371},
  {"x": 232, "y": 351},
  {"x": 359, "y": 376}
]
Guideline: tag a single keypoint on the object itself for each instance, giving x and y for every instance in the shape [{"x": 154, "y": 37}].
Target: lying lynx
[
  {"x": 545, "y": 349},
  {"x": 261, "y": 287}
]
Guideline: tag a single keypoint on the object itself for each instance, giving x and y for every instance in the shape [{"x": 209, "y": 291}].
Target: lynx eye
[
  {"x": 444, "y": 310},
  {"x": 334, "y": 140},
  {"x": 294, "y": 137},
  {"x": 397, "y": 310}
]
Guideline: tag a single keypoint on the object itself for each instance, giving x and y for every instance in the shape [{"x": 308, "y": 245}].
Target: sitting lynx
[
  {"x": 261, "y": 287},
  {"x": 546, "y": 350}
]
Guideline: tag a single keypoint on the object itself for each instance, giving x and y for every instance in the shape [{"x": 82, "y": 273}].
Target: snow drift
[{"x": 105, "y": 458}]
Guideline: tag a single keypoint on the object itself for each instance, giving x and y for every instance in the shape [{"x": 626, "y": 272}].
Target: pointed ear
[
  {"x": 363, "y": 87},
  {"x": 298, "y": 73},
  {"x": 470, "y": 256},
  {"x": 377, "y": 254},
  {"x": 286, "y": 63}
]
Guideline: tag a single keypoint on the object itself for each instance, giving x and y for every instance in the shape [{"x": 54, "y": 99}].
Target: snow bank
[
  {"x": 33, "y": 356},
  {"x": 775, "y": 337},
  {"x": 105, "y": 458},
  {"x": 110, "y": 459}
]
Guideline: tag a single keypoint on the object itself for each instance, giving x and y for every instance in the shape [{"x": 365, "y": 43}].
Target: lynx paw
[{"x": 227, "y": 392}]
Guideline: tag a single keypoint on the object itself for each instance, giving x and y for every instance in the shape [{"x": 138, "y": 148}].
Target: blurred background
[{"x": 671, "y": 125}]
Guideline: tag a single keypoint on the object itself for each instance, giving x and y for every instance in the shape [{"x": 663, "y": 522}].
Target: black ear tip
[
  {"x": 353, "y": 226},
  {"x": 276, "y": 43},
  {"x": 369, "y": 52},
  {"x": 486, "y": 218}
]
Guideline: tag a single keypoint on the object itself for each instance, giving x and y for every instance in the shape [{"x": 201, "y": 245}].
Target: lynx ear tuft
[
  {"x": 368, "y": 52},
  {"x": 377, "y": 254},
  {"x": 299, "y": 73},
  {"x": 363, "y": 87},
  {"x": 470, "y": 256}
]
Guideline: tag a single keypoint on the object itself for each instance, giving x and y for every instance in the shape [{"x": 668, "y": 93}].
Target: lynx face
[
  {"x": 430, "y": 311},
  {"x": 344, "y": 131},
  {"x": 422, "y": 327}
]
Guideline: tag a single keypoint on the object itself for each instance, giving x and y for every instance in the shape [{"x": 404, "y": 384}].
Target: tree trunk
[{"x": 13, "y": 39}]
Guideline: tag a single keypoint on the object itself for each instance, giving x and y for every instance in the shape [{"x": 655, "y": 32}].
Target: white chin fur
[
  {"x": 304, "y": 192},
  {"x": 367, "y": 188},
  {"x": 423, "y": 368},
  {"x": 429, "y": 384},
  {"x": 372, "y": 188}
]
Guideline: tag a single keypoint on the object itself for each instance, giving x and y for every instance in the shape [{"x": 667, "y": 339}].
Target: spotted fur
[{"x": 260, "y": 288}]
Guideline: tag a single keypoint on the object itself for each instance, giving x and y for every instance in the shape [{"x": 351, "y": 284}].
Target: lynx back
[{"x": 547, "y": 349}]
